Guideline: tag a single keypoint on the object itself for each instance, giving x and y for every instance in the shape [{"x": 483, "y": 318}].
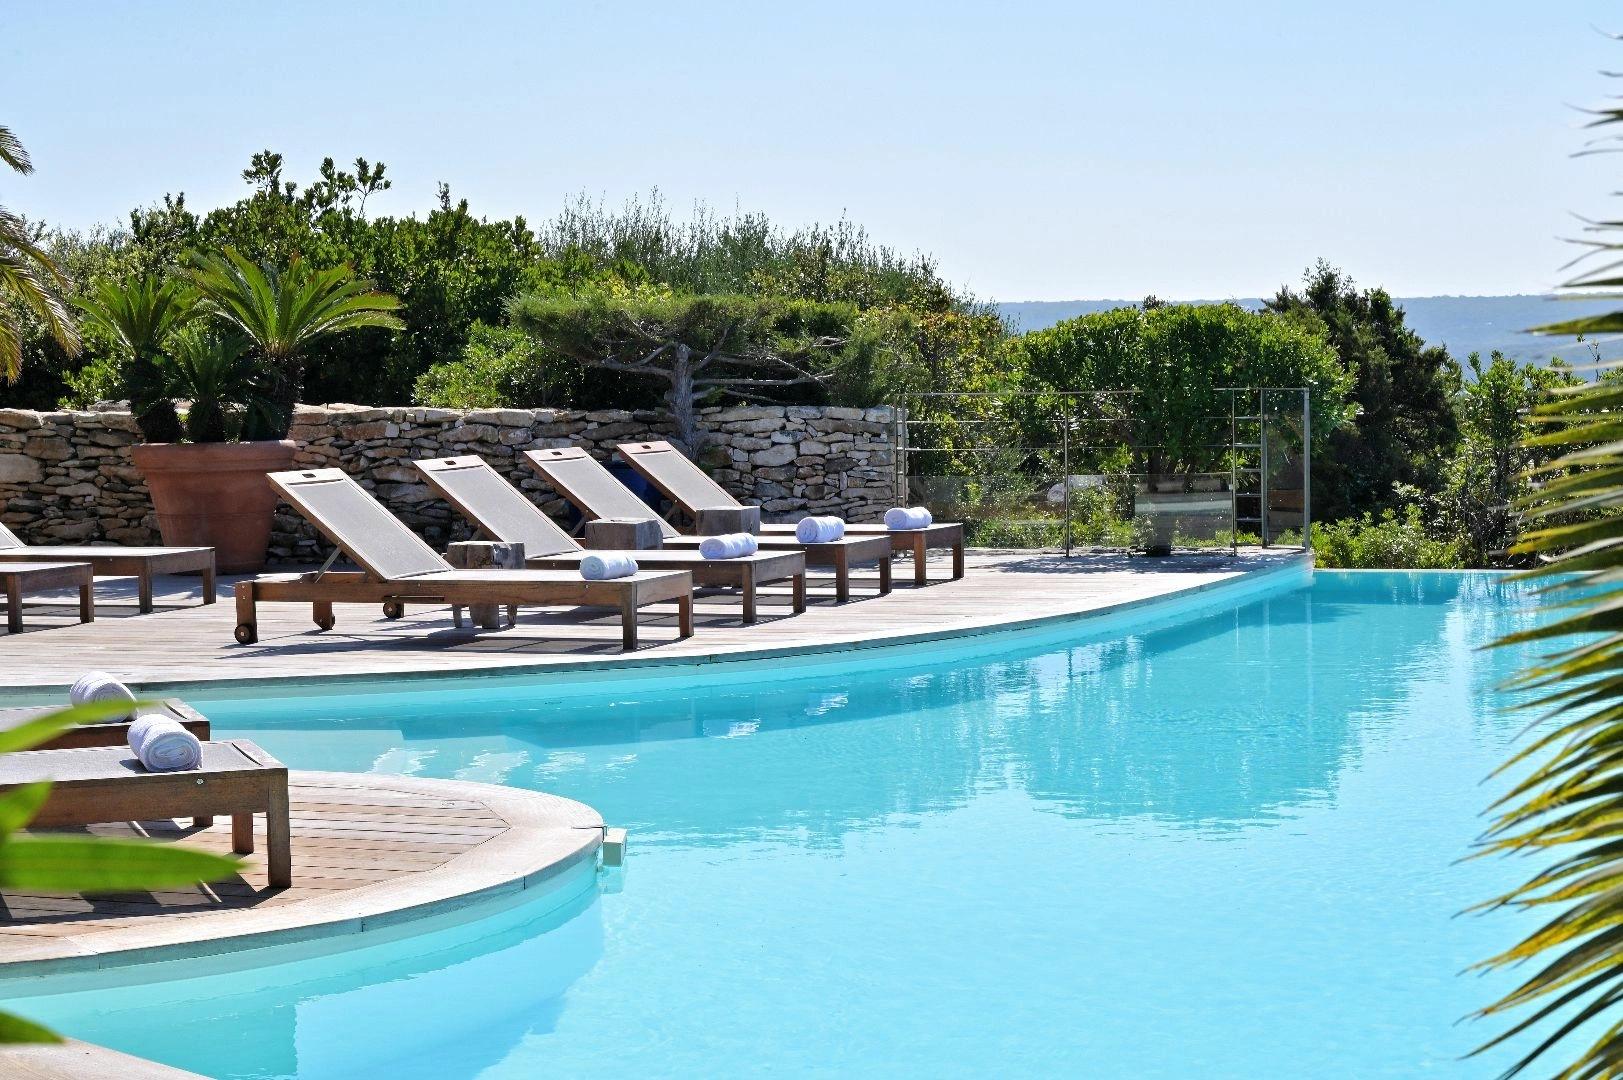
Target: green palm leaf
[
  {"x": 98, "y": 864},
  {"x": 28, "y": 275}
]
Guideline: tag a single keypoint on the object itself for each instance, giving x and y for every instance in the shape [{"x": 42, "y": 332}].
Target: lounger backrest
[
  {"x": 683, "y": 482},
  {"x": 484, "y": 497},
  {"x": 9, "y": 539},
  {"x": 363, "y": 529},
  {"x": 582, "y": 479}
]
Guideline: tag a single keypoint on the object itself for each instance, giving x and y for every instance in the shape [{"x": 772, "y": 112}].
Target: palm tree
[
  {"x": 1568, "y": 809},
  {"x": 141, "y": 314},
  {"x": 28, "y": 276},
  {"x": 282, "y": 312}
]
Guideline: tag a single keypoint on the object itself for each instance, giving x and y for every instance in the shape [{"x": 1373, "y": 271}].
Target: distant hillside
[{"x": 1465, "y": 324}]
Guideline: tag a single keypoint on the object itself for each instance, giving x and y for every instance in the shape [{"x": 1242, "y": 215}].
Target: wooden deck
[
  {"x": 184, "y": 644},
  {"x": 367, "y": 851}
]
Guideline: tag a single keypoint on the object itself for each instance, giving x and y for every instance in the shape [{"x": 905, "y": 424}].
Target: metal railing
[{"x": 1093, "y": 468}]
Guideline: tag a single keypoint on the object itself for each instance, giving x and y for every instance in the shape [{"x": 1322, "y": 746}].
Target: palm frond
[{"x": 12, "y": 152}]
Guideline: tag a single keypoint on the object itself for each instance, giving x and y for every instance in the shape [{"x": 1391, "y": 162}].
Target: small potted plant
[{"x": 213, "y": 365}]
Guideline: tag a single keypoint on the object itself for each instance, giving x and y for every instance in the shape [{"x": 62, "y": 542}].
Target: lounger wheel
[
  {"x": 247, "y": 634},
  {"x": 393, "y": 609},
  {"x": 326, "y": 622}
]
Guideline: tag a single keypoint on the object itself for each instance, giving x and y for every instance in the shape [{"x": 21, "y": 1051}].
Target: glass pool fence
[{"x": 1102, "y": 470}]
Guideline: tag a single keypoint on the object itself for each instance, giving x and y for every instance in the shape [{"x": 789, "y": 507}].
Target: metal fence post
[
  {"x": 1307, "y": 470},
  {"x": 1262, "y": 463},
  {"x": 1065, "y": 477}
]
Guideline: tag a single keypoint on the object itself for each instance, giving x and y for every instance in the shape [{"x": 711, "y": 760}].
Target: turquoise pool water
[{"x": 1218, "y": 846}]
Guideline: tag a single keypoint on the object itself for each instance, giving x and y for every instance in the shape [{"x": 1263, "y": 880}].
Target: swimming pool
[{"x": 1224, "y": 846}]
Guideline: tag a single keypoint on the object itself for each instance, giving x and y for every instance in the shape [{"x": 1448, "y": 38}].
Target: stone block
[
  {"x": 624, "y": 534},
  {"x": 777, "y": 454},
  {"x": 20, "y": 469},
  {"x": 713, "y": 520}
]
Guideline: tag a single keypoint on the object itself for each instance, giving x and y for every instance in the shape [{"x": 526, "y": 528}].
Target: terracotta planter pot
[{"x": 215, "y": 495}]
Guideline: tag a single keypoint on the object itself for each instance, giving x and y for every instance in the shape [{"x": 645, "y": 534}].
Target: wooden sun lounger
[
  {"x": 503, "y": 513},
  {"x": 397, "y": 567},
  {"x": 111, "y": 732},
  {"x": 107, "y": 733},
  {"x": 594, "y": 491},
  {"x": 95, "y": 784},
  {"x": 141, "y": 563},
  {"x": 687, "y": 485}
]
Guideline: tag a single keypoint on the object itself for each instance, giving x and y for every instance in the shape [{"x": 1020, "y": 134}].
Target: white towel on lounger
[
  {"x": 163, "y": 745},
  {"x": 607, "y": 566},
  {"x": 908, "y": 517},
  {"x": 728, "y": 546},
  {"x": 819, "y": 530},
  {"x": 95, "y": 686}
]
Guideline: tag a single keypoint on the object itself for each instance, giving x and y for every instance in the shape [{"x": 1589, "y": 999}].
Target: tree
[
  {"x": 27, "y": 276},
  {"x": 1486, "y": 476},
  {"x": 1405, "y": 428},
  {"x": 281, "y": 313},
  {"x": 1179, "y": 359},
  {"x": 141, "y": 314},
  {"x": 699, "y": 347}
]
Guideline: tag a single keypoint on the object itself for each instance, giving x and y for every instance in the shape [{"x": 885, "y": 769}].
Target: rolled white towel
[
  {"x": 99, "y": 686},
  {"x": 163, "y": 745},
  {"x": 908, "y": 517},
  {"x": 819, "y": 530},
  {"x": 728, "y": 546},
  {"x": 607, "y": 565}
]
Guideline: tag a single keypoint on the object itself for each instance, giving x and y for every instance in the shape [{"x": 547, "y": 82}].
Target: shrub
[{"x": 1389, "y": 542}]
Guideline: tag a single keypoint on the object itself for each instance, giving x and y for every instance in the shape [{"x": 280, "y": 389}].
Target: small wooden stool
[{"x": 35, "y": 576}]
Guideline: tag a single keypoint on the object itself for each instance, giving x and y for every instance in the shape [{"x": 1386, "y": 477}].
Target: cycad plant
[
  {"x": 27, "y": 276},
  {"x": 223, "y": 383},
  {"x": 71, "y": 863},
  {"x": 1568, "y": 809},
  {"x": 142, "y": 314},
  {"x": 281, "y": 313}
]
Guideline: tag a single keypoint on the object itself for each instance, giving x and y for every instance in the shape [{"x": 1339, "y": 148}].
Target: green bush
[
  {"x": 1389, "y": 542},
  {"x": 504, "y": 367}
]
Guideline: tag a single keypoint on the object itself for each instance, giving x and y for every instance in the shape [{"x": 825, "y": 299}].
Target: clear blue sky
[{"x": 1040, "y": 151}]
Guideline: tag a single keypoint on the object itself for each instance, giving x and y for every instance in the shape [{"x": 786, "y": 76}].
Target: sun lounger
[
  {"x": 17, "y": 578},
  {"x": 595, "y": 492},
  {"x": 502, "y": 512},
  {"x": 111, "y": 732},
  {"x": 397, "y": 566},
  {"x": 686, "y": 485},
  {"x": 141, "y": 563},
  {"x": 107, "y": 733},
  {"x": 95, "y": 784}
]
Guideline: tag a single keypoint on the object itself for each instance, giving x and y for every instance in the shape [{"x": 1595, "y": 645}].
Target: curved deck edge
[
  {"x": 1282, "y": 572},
  {"x": 547, "y": 836}
]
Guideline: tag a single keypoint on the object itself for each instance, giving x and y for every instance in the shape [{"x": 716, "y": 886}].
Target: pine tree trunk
[{"x": 684, "y": 409}]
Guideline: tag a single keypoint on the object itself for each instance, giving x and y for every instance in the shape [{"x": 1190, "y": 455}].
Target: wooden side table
[{"x": 19, "y": 577}]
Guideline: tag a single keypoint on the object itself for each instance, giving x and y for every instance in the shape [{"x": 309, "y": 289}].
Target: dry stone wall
[{"x": 67, "y": 476}]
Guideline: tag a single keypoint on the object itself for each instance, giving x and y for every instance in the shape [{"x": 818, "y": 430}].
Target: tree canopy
[
  {"x": 751, "y": 348},
  {"x": 1179, "y": 360},
  {"x": 1405, "y": 429}
]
